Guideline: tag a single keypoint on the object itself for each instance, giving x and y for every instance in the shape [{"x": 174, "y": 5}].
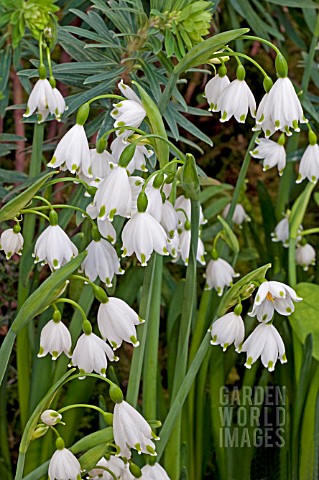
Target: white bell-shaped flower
[
  {"x": 101, "y": 261},
  {"x": 42, "y": 99},
  {"x": 273, "y": 153},
  {"x": 309, "y": 164},
  {"x": 63, "y": 464},
  {"x": 100, "y": 167},
  {"x": 264, "y": 342},
  {"x": 128, "y": 112},
  {"x": 50, "y": 417},
  {"x": 169, "y": 218},
  {"x": 262, "y": 122},
  {"x": 236, "y": 99},
  {"x": 281, "y": 107},
  {"x": 228, "y": 329},
  {"x": 114, "y": 196},
  {"x": 11, "y": 241},
  {"x": 139, "y": 158},
  {"x": 114, "y": 464},
  {"x": 183, "y": 208},
  {"x": 143, "y": 234},
  {"x": 73, "y": 153},
  {"x": 213, "y": 91},
  {"x": 239, "y": 216},
  {"x": 219, "y": 274},
  {"x": 90, "y": 354},
  {"x": 54, "y": 247},
  {"x": 154, "y": 472},
  {"x": 184, "y": 246},
  {"x": 55, "y": 338},
  {"x": 281, "y": 233},
  {"x": 131, "y": 430},
  {"x": 117, "y": 321},
  {"x": 273, "y": 296},
  {"x": 60, "y": 106},
  {"x": 305, "y": 256}
]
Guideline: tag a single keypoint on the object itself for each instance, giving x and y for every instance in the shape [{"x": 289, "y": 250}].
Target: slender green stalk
[
  {"x": 138, "y": 354},
  {"x": 172, "y": 459},
  {"x": 23, "y": 339},
  {"x": 310, "y": 58},
  {"x": 150, "y": 366}
]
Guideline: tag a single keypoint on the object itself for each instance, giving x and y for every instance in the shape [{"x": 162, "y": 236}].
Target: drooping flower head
[
  {"x": 55, "y": 338},
  {"x": 264, "y": 342},
  {"x": 273, "y": 296},
  {"x": 128, "y": 112},
  {"x": 219, "y": 274},
  {"x": 154, "y": 472},
  {"x": 305, "y": 255},
  {"x": 309, "y": 164},
  {"x": 11, "y": 241},
  {"x": 239, "y": 215},
  {"x": 273, "y": 153},
  {"x": 228, "y": 329},
  {"x": 215, "y": 87},
  {"x": 44, "y": 100},
  {"x": 63, "y": 464}
]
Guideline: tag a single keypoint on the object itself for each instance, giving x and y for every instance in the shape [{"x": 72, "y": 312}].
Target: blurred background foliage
[{"x": 94, "y": 45}]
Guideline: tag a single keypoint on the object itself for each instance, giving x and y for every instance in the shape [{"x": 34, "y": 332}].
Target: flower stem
[
  {"x": 262, "y": 40},
  {"x": 34, "y": 212},
  {"x": 74, "y": 304},
  {"x": 81, "y": 405}
]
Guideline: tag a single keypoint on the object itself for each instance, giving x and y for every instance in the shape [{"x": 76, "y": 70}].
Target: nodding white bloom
[
  {"x": 239, "y": 216},
  {"x": 60, "y": 106},
  {"x": 281, "y": 108},
  {"x": 305, "y": 256},
  {"x": 264, "y": 342},
  {"x": 140, "y": 156},
  {"x": 90, "y": 354},
  {"x": 213, "y": 91},
  {"x": 100, "y": 167},
  {"x": 155, "y": 202},
  {"x": 184, "y": 246},
  {"x": 173, "y": 245},
  {"x": 55, "y": 339},
  {"x": 128, "y": 112},
  {"x": 136, "y": 184},
  {"x": 142, "y": 235},
  {"x": 101, "y": 261},
  {"x": 154, "y": 472},
  {"x": 273, "y": 296},
  {"x": 73, "y": 153},
  {"x": 117, "y": 321},
  {"x": 309, "y": 164},
  {"x": 183, "y": 204},
  {"x": 50, "y": 417},
  {"x": 42, "y": 99},
  {"x": 235, "y": 101},
  {"x": 114, "y": 196},
  {"x": 273, "y": 153},
  {"x": 219, "y": 274},
  {"x": 169, "y": 218},
  {"x": 228, "y": 329},
  {"x": 115, "y": 464},
  {"x": 131, "y": 430},
  {"x": 262, "y": 122},
  {"x": 64, "y": 465},
  {"x": 281, "y": 233},
  {"x": 11, "y": 241},
  {"x": 54, "y": 247}
]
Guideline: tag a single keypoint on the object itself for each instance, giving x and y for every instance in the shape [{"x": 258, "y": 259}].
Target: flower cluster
[{"x": 265, "y": 341}]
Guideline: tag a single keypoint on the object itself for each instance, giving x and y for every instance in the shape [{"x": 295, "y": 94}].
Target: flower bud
[
  {"x": 101, "y": 145},
  {"x": 116, "y": 394},
  {"x": 142, "y": 202},
  {"x": 16, "y": 228},
  {"x": 100, "y": 294},
  {"x": 190, "y": 181},
  {"x": 135, "y": 470},
  {"x": 82, "y": 114},
  {"x": 127, "y": 155},
  {"x": 39, "y": 431},
  {"x": 240, "y": 73},
  {"x": 51, "y": 417},
  {"x": 281, "y": 66},
  {"x": 108, "y": 418},
  {"x": 267, "y": 83},
  {"x": 53, "y": 216},
  {"x": 158, "y": 181}
]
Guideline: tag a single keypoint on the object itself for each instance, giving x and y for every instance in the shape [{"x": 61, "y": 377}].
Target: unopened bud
[
  {"x": 51, "y": 417},
  {"x": 135, "y": 470},
  {"x": 116, "y": 394},
  {"x": 39, "y": 431}
]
